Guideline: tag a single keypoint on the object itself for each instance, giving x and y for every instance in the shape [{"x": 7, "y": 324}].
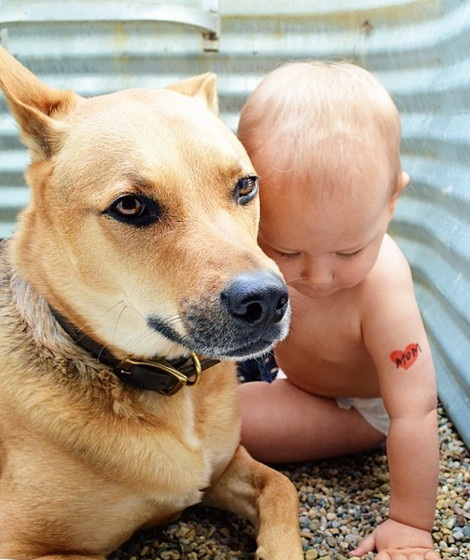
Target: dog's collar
[{"x": 151, "y": 375}]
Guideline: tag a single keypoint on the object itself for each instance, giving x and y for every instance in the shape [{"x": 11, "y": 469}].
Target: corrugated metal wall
[{"x": 419, "y": 49}]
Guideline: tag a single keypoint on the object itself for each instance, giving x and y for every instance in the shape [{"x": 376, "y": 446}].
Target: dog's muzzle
[{"x": 245, "y": 319}]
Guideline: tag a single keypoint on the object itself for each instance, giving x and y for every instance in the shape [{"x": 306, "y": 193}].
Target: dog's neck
[{"x": 157, "y": 374}]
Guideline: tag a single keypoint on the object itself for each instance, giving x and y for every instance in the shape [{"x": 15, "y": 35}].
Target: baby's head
[
  {"x": 325, "y": 140},
  {"x": 311, "y": 122}
]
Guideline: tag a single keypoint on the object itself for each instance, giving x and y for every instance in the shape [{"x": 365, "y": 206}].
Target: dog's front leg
[
  {"x": 265, "y": 497},
  {"x": 68, "y": 557}
]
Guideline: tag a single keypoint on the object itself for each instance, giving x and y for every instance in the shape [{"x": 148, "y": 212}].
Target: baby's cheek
[
  {"x": 353, "y": 273},
  {"x": 363, "y": 269},
  {"x": 286, "y": 270}
]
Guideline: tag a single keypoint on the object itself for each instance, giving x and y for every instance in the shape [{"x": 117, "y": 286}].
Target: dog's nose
[{"x": 258, "y": 298}]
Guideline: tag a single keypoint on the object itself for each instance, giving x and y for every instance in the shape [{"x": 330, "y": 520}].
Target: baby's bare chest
[{"x": 324, "y": 352}]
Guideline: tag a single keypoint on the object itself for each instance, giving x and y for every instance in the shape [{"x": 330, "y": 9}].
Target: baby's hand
[{"x": 396, "y": 541}]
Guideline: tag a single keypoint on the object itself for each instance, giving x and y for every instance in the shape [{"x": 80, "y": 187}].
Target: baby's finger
[
  {"x": 423, "y": 554},
  {"x": 407, "y": 554},
  {"x": 365, "y": 546},
  {"x": 398, "y": 555},
  {"x": 383, "y": 555}
]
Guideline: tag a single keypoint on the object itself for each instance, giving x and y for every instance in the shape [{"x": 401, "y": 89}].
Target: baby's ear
[{"x": 402, "y": 181}]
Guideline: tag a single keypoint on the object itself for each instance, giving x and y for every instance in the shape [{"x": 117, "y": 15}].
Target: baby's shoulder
[{"x": 391, "y": 270}]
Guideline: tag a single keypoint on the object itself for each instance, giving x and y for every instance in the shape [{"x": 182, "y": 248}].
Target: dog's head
[{"x": 143, "y": 219}]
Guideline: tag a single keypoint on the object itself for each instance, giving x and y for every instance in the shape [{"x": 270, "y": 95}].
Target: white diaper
[{"x": 372, "y": 410}]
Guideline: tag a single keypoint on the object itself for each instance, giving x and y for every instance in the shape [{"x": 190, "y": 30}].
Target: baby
[{"x": 356, "y": 367}]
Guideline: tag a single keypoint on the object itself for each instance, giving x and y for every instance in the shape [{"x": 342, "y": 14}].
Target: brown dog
[{"x": 137, "y": 251}]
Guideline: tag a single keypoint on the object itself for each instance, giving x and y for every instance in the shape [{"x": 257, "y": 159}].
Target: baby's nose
[{"x": 317, "y": 271}]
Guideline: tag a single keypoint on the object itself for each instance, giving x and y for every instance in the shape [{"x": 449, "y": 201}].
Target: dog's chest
[{"x": 191, "y": 438}]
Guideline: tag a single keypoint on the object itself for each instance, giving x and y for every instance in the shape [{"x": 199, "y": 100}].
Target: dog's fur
[{"x": 87, "y": 459}]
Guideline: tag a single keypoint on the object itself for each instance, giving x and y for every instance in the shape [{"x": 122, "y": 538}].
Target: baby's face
[{"x": 324, "y": 246}]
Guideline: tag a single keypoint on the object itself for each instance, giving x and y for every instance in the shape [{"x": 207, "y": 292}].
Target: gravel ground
[{"x": 341, "y": 500}]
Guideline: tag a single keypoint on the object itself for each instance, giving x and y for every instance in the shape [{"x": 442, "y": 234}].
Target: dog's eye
[
  {"x": 246, "y": 189},
  {"x": 129, "y": 207},
  {"x": 135, "y": 210}
]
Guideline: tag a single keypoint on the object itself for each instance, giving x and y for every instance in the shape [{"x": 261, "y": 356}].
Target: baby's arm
[{"x": 394, "y": 335}]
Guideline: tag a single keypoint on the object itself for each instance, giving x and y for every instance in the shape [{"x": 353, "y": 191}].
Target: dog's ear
[
  {"x": 203, "y": 86},
  {"x": 38, "y": 108}
]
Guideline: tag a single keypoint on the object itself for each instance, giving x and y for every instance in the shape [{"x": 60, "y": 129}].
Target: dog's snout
[{"x": 258, "y": 298}]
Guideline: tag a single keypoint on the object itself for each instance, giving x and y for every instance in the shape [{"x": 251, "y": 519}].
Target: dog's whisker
[
  {"x": 118, "y": 318},
  {"x": 295, "y": 279}
]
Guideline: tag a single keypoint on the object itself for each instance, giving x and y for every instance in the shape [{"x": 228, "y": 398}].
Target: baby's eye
[
  {"x": 286, "y": 255},
  {"x": 349, "y": 255}
]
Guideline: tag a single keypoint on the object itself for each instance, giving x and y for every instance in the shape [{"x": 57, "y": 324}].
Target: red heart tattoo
[{"x": 407, "y": 357}]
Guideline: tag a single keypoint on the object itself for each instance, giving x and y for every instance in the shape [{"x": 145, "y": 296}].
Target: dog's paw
[
  {"x": 260, "y": 553},
  {"x": 276, "y": 554}
]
